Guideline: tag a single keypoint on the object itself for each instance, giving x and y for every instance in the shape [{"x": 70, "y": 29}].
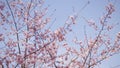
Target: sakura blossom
[{"x": 30, "y": 38}]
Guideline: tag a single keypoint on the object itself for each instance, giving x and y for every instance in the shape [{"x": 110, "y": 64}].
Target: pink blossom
[
  {"x": 2, "y": 5},
  {"x": 92, "y": 23},
  {"x": 1, "y": 37},
  {"x": 110, "y": 8},
  {"x": 118, "y": 35}
]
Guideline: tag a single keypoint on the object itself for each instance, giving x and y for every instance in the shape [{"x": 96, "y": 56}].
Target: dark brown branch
[
  {"x": 51, "y": 58},
  {"x": 15, "y": 26},
  {"x": 90, "y": 51},
  {"x": 87, "y": 45},
  {"x": 40, "y": 48}
]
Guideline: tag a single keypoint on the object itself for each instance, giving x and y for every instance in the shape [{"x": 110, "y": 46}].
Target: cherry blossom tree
[{"x": 27, "y": 40}]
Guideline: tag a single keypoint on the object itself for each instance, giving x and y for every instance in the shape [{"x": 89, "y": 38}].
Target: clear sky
[{"x": 94, "y": 10}]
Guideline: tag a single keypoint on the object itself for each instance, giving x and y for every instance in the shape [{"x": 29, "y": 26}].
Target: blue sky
[{"x": 94, "y": 10}]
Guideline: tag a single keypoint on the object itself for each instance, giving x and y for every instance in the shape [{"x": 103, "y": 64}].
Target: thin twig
[{"x": 15, "y": 25}]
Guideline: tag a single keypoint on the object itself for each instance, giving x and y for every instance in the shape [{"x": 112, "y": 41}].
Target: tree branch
[{"x": 15, "y": 25}]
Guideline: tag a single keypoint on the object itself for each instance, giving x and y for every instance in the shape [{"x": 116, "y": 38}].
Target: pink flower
[
  {"x": 118, "y": 35},
  {"x": 110, "y": 8},
  {"x": 92, "y": 23},
  {"x": 73, "y": 19},
  {"x": 1, "y": 37},
  {"x": 2, "y": 5}
]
